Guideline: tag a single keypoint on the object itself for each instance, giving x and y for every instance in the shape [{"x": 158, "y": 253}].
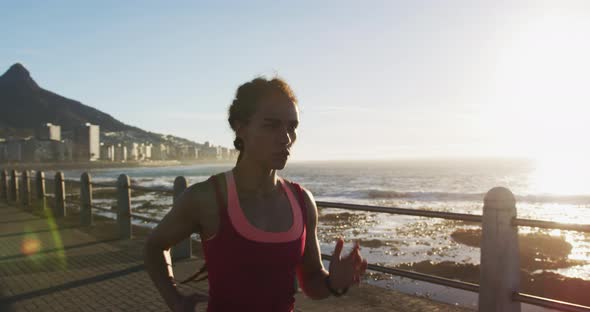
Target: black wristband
[{"x": 333, "y": 291}]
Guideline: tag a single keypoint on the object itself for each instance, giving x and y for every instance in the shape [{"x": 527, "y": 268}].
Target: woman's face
[{"x": 271, "y": 131}]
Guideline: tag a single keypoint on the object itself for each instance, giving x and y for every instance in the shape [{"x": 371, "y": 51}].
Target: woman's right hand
[{"x": 188, "y": 303}]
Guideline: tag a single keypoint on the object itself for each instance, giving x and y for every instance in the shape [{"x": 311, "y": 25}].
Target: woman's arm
[
  {"x": 178, "y": 224},
  {"x": 343, "y": 272},
  {"x": 311, "y": 273}
]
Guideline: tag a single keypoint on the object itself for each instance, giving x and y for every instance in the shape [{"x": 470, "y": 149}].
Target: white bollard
[{"x": 500, "y": 259}]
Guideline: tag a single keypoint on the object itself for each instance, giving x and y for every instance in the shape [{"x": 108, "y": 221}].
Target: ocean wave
[
  {"x": 165, "y": 183},
  {"x": 444, "y": 196},
  {"x": 426, "y": 196}
]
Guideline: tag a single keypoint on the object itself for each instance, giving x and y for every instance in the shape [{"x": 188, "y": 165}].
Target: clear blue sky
[{"x": 375, "y": 79}]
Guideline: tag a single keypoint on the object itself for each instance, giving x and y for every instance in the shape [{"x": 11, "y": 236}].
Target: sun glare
[
  {"x": 561, "y": 175},
  {"x": 540, "y": 95}
]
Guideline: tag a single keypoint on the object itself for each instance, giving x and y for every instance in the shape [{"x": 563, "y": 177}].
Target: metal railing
[
  {"x": 7, "y": 190},
  {"x": 517, "y": 296}
]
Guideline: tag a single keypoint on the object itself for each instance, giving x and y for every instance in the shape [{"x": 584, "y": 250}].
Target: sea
[{"x": 544, "y": 190}]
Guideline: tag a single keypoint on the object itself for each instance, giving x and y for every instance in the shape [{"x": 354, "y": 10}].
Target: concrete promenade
[{"x": 61, "y": 266}]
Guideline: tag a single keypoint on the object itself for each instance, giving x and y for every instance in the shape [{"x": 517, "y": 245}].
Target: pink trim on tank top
[{"x": 249, "y": 231}]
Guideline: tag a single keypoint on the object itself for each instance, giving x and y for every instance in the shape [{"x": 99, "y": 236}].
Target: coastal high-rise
[
  {"x": 87, "y": 142},
  {"x": 49, "y": 131}
]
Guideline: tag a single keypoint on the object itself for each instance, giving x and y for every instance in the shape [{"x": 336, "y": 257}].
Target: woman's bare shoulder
[
  {"x": 293, "y": 185},
  {"x": 307, "y": 196},
  {"x": 202, "y": 193}
]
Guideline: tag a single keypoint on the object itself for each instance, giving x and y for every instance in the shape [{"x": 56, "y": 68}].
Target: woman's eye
[{"x": 276, "y": 126}]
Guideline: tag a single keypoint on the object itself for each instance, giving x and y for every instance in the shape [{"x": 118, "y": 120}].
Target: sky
[{"x": 374, "y": 79}]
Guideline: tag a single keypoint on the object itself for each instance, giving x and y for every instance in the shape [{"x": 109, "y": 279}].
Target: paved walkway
[{"x": 47, "y": 266}]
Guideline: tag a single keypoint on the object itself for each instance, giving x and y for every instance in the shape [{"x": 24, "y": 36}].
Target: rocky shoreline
[{"x": 539, "y": 252}]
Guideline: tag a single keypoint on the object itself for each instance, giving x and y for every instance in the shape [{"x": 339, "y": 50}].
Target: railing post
[
  {"x": 60, "y": 195},
  {"x": 182, "y": 250},
  {"x": 85, "y": 200},
  {"x": 26, "y": 197},
  {"x": 500, "y": 259},
  {"x": 41, "y": 199},
  {"x": 124, "y": 206},
  {"x": 14, "y": 187},
  {"x": 4, "y": 185}
]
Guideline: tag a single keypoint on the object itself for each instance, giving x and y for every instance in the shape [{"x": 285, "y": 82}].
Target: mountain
[{"x": 24, "y": 106}]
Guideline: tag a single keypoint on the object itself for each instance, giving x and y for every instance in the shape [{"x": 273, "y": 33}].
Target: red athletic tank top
[{"x": 250, "y": 269}]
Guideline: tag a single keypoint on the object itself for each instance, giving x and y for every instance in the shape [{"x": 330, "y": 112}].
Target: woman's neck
[{"x": 251, "y": 178}]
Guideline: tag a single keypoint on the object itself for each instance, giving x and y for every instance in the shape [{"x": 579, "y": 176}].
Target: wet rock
[
  {"x": 544, "y": 284},
  {"x": 537, "y": 250},
  {"x": 335, "y": 217},
  {"x": 373, "y": 243}
]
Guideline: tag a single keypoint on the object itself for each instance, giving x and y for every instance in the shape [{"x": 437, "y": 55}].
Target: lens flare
[
  {"x": 57, "y": 241},
  {"x": 30, "y": 246}
]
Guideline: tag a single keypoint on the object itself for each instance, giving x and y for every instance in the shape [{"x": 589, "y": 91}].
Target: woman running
[{"x": 258, "y": 230}]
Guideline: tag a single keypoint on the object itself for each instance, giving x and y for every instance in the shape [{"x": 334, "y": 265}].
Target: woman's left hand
[{"x": 346, "y": 271}]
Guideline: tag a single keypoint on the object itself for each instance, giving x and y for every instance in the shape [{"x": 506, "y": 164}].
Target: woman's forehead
[{"x": 277, "y": 108}]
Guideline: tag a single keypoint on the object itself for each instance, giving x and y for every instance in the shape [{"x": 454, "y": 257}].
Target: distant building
[
  {"x": 110, "y": 150},
  {"x": 65, "y": 151},
  {"x": 48, "y": 131},
  {"x": 132, "y": 151},
  {"x": 103, "y": 151},
  {"x": 210, "y": 152},
  {"x": 225, "y": 153},
  {"x": 14, "y": 150},
  {"x": 145, "y": 151},
  {"x": 173, "y": 152},
  {"x": 2, "y": 149},
  {"x": 87, "y": 142},
  {"x": 160, "y": 152},
  {"x": 107, "y": 152},
  {"x": 120, "y": 152},
  {"x": 36, "y": 150},
  {"x": 188, "y": 152}
]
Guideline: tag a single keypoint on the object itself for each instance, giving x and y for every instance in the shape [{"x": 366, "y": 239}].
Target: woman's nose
[{"x": 285, "y": 136}]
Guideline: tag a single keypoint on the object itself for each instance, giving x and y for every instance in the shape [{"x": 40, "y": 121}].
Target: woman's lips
[{"x": 284, "y": 154}]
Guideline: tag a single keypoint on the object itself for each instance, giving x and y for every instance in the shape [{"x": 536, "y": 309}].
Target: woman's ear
[{"x": 240, "y": 128}]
